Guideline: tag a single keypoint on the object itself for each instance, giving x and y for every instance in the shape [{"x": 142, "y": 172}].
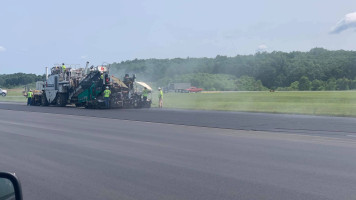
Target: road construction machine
[{"x": 84, "y": 87}]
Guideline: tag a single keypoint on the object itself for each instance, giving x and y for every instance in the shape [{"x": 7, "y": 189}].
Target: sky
[{"x": 40, "y": 33}]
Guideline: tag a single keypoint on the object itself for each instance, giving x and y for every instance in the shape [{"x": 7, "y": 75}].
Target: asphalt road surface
[{"x": 71, "y": 153}]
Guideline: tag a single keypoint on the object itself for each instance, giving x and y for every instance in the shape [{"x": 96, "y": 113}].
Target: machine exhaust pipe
[
  {"x": 86, "y": 68},
  {"x": 46, "y": 73}
]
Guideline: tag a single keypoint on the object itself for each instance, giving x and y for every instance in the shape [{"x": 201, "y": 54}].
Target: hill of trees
[
  {"x": 19, "y": 79},
  {"x": 318, "y": 69}
]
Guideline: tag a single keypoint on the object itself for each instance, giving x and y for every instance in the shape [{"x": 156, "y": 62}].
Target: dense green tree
[
  {"x": 331, "y": 84},
  {"x": 343, "y": 84},
  {"x": 352, "y": 84},
  {"x": 325, "y": 70},
  {"x": 304, "y": 83},
  {"x": 317, "y": 85},
  {"x": 246, "y": 83},
  {"x": 294, "y": 85},
  {"x": 19, "y": 79},
  {"x": 275, "y": 69}
]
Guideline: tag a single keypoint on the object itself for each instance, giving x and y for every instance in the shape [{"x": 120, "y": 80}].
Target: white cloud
[
  {"x": 2, "y": 49},
  {"x": 262, "y": 47},
  {"x": 83, "y": 57},
  {"x": 348, "y": 22}
]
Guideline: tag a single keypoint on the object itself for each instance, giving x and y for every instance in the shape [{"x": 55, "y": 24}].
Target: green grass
[
  {"x": 14, "y": 95},
  {"x": 14, "y": 99},
  {"x": 336, "y": 103}
]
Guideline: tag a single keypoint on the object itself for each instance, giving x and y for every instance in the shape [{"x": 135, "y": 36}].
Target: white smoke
[
  {"x": 348, "y": 22},
  {"x": 2, "y": 49}
]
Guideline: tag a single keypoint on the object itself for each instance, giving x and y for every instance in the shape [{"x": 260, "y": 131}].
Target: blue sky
[{"x": 35, "y": 34}]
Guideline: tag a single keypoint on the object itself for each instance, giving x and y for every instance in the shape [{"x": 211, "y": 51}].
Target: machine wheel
[
  {"x": 3, "y": 94},
  {"x": 78, "y": 105},
  {"x": 136, "y": 104},
  {"x": 61, "y": 100},
  {"x": 44, "y": 101},
  {"x": 88, "y": 107}
]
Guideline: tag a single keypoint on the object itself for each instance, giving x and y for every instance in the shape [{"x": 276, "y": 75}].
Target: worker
[
  {"x": 145, "y": 94},
  {"x": 64, "y": 71},
  {"x": 160, "y": 97},
  {"x": 128, "y": 81},
  {"x": 101, "y": 78},
  {"x": 107, "y": 93},
  {"x": 57, "y": 70},
  {"x": 126, "y": 78},
  {"x": 63, "y": 67},
  {"x": 29, "y": 97}
]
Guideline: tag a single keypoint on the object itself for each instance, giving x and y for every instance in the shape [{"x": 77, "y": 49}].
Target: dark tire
[
  {"x": 88, "y": 107},
  {"x": 148, "y": 105},
  {"x": 44, "y": 101},
  {"x": 79, "y": 105},
  {"x": 3, "y": 94},
  {"x": 61, "y": 100},
  {"x": 136, "y": 104}
]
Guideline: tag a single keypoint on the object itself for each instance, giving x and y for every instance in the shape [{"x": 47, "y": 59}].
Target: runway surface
[
  {"x": 303, "y": 124},
  {"x": 71, "y": 153}
]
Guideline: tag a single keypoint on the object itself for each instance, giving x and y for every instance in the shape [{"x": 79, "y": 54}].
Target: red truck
[{"x": 194, "y": 89}]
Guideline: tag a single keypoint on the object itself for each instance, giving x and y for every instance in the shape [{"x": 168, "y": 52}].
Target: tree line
[
  {"x": 19, "y": 79},
  {"x": 317, "y": 69}
]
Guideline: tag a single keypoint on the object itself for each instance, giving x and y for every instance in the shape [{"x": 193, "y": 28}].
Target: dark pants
[
  {"x": 144, "y": 98},
  {"x": 29, "y": 100},
  {"x": 107, "y": 102}
]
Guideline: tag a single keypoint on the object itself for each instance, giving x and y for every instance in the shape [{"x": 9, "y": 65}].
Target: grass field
[
  {"x": 14, "y": 95},
  {"x": 336, "y": 103}
]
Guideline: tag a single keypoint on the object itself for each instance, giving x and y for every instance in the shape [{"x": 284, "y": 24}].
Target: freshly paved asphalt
[
  {"x": 176, "y": 154},
  {"x": 303, "y": 124}
]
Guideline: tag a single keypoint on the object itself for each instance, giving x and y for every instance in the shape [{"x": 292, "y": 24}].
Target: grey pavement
[
  {"x": 176, "y": 154},
  {"x": 302, "y": 124}
]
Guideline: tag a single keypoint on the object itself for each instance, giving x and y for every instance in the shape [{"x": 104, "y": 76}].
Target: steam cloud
[
  {"x": 2, "y": 49},
  {"x": 348, "y": 22}
]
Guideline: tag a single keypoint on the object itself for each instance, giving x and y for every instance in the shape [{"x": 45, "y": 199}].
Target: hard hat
[
  {"x": 107, "y": 87},
  {"x": 30, "y": 90},
  {"x": 159, "y": 88}
]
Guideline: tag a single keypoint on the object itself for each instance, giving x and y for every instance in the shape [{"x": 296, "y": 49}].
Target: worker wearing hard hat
[
  {"x": 63, "y": 67},
  {"x": 29, "y": 97},
  {"x": 107, "y": 94},
  {"x": 145, "y": 94},
  {"x": 160, "y": 97},
  {"x": 64, "y": 71}
]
